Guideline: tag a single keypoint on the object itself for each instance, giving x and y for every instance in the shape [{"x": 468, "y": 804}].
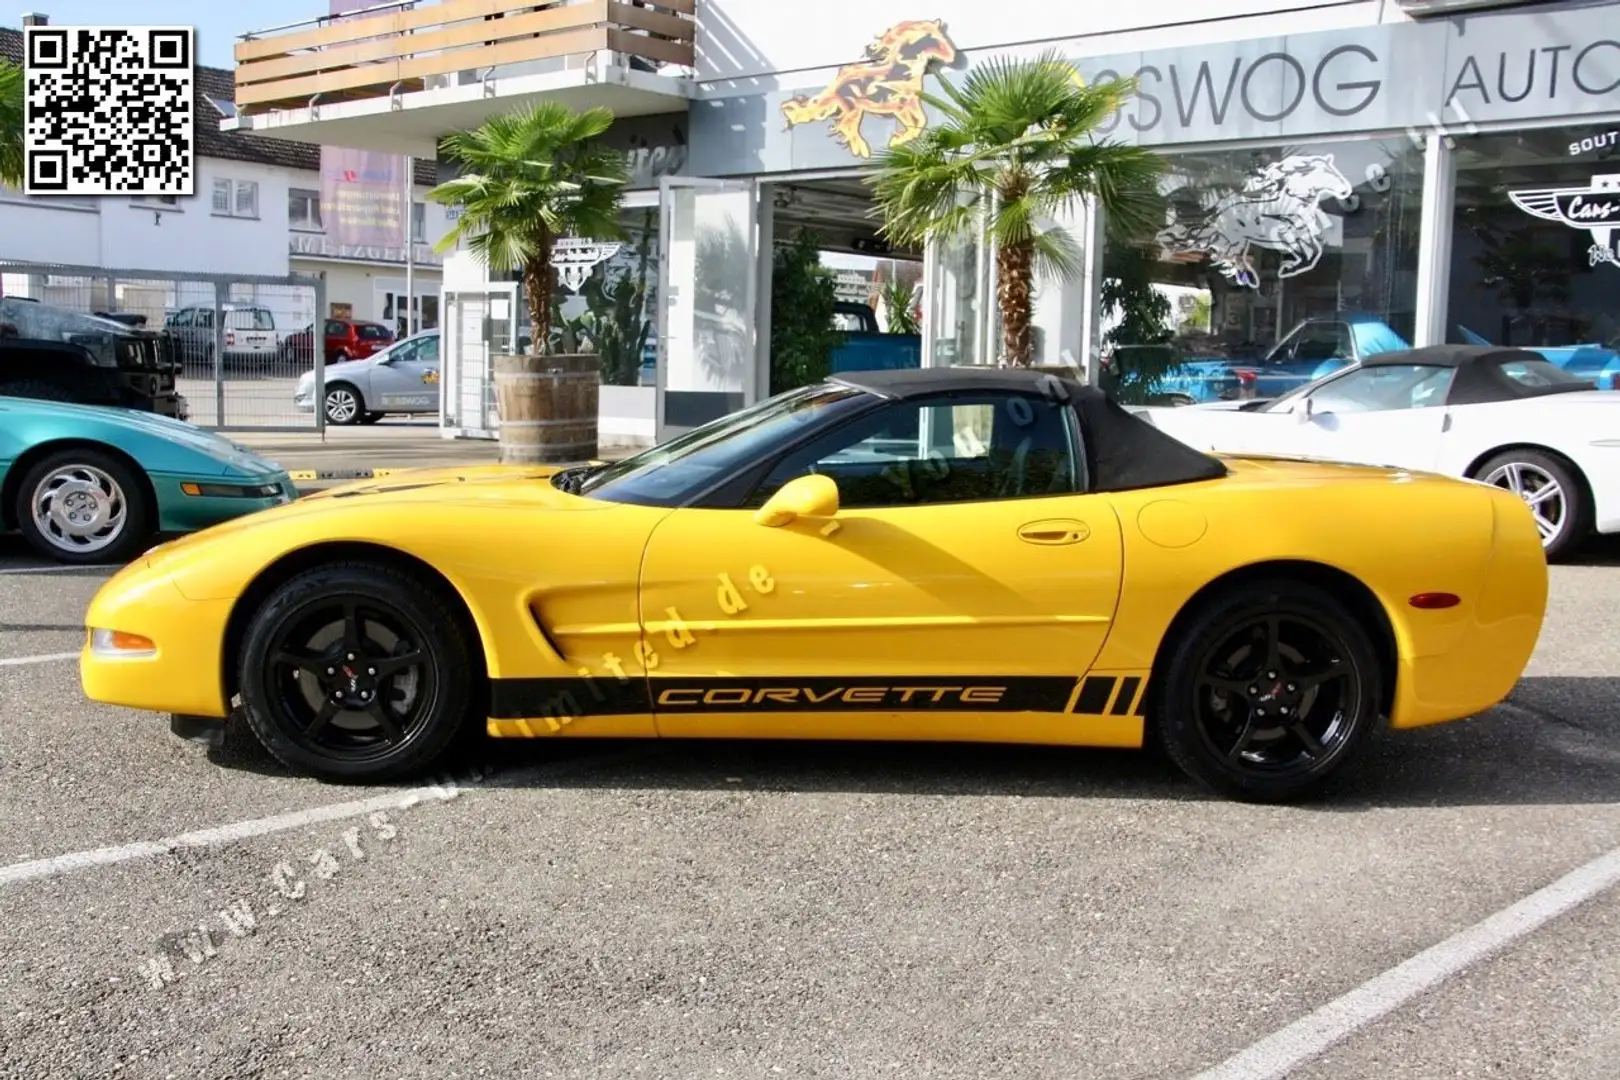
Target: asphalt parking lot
[{"x": 168, "y": 909}]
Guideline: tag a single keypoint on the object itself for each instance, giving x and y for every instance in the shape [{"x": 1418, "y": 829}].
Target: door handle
[{"x": 1055, "y": 531}]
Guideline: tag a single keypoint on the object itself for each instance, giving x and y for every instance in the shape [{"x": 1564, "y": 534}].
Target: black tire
[
  {"x": 1216, "y": 694},
  {"x": 294, "y": 706},
  {"x": 344, "y": 415},
  {"x": 105, "y": 486},
  {"x": 37, "y": 389},
  {"x": 1574, "y": 506}
]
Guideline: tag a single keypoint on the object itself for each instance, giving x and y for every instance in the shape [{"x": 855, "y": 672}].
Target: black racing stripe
[
  {"x": 1126, "y": 696},
  {"x": 570, "y": 698},
  {"x": 512, "y": 699},
  {"x": 888, "y": 693},
  {"x": 1142, "y": 698},
  {"x": 1094, "y": 695}
]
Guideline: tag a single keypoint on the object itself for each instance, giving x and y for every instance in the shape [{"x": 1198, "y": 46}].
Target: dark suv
[{"x": 60, "y": 355}]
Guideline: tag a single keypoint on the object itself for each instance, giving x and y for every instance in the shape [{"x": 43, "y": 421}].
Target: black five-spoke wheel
[
  {"x": 356, "y": 672},
  {"x": 1271, "y": 688}
]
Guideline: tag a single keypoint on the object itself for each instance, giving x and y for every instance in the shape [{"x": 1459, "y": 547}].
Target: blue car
[
  {"x": 1312, "y": 349},
  {"x": 91, "y": 484}
]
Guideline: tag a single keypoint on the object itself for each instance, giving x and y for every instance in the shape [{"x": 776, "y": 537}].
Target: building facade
[
  {"x": 256, "y": 210},
  {"x": 1443, "y": 169}
]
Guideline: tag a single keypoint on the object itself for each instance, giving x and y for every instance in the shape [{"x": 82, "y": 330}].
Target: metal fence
[{"x": 244, "y": 341}]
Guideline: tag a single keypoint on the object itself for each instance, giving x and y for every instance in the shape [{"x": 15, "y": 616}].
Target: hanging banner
[{"x": 362, "y": 191}]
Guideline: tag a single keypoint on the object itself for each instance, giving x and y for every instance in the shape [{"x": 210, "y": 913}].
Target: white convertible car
[{"x": 1503, "y": 416}]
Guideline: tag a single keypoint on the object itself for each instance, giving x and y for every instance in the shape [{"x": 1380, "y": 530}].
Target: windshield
[{"x": 676, "y": 470}]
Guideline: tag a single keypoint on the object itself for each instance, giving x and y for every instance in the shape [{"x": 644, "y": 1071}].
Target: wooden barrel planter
[{"x": 548, "y": 407}]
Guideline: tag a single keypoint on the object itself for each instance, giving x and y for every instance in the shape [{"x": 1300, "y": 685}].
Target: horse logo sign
[
  {"x": 888, "y": 82},
  {"x": 1595, "y": 208},
  {"x": 1278, "y": 209}
]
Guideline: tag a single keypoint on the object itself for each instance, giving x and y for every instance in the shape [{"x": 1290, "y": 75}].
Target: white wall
[
  {"x": 190, "y": 237},
  {"x": 64, "y": 231},
  {"x": 740, "y": 38}
]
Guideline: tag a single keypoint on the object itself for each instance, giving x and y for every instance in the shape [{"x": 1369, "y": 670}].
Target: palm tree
[
  {"x": 530, "y": 178},
  {"x": 1017, "y": 143},
  {"x": 11, "y": 125}
]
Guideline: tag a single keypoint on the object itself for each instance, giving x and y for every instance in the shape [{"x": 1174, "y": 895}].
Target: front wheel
[
  {"x": 1552, "y": 490},
  {"x": 1272, "y": 688},
  {"x": 355, "y": 672},
  {"x": 83, "y": 506},
  {"x": 344, "y": 404}
]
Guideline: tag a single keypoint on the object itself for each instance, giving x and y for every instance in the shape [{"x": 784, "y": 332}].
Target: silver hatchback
[{"x": 403, "y": 378}]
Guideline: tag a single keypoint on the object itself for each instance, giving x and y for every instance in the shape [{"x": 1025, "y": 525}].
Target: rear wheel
[
  {"x": 1553, "y": 491},
  {"x": 84, "y": 506},
  {"x": 1272, "y": 688},
  {"x": 356, "y": 672}
]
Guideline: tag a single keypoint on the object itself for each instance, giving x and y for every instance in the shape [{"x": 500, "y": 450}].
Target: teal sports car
[{"x": 92, "y": 484}]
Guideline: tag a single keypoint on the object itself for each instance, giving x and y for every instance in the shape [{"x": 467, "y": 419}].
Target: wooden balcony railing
[{"x": 374, "y": 55}]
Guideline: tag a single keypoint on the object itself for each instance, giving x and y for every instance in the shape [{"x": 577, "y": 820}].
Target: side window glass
[
  {"x": 205, "y": 318},
  {"x": 181, "y": 318},
  {"x": 1384, "y": 388},
  {"x": 404, "y": 353},
  {"x": 335, "y": 329},
  {"x": 1329, "y": 341},
  {"x": 946, "y": 449},
  {"x": 428, "y": 351}
]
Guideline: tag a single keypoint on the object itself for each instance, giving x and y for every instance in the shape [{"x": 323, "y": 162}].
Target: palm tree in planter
[
  {"x": 1016, "y": 148},
  {"x": 528, "y": 179},
  {"x": 11, "y": 125}
]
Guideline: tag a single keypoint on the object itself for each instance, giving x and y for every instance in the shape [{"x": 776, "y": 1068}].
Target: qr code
[{"x": 108, "y": 110}]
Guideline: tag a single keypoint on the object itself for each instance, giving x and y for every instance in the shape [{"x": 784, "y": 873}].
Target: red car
[{"x": 346, "y": 339}]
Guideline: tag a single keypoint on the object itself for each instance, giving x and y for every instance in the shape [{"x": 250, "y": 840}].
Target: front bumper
[{"x": 182, "y": 672}]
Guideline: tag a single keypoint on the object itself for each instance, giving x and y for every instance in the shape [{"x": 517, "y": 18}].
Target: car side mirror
[
  {"x": 813, "y": 496},
  {"x": 1305, "y": 411}
]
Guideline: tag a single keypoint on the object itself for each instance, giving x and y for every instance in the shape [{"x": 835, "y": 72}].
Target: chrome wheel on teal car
[{"x": 82, "y": 506}]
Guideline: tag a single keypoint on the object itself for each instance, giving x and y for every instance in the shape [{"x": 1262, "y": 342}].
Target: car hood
[
  {"x": 349, "y": 369},
  {"x": 215, "y": 446},
  {"x": 479, "y": 485}
]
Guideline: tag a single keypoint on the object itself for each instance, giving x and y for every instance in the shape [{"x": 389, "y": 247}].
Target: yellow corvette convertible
[{"x": 946, "y": 554}]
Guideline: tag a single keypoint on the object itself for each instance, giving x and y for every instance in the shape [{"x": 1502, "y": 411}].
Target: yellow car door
[{"x": 963, "y": 586}]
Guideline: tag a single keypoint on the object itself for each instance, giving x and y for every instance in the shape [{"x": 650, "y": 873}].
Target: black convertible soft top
[
  {"x": 1480, "y": 378},
  {"x": 1123, "y": 452}
]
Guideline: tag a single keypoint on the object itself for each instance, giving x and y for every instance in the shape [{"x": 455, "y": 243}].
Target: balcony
[{"x": 397, "y": 78}]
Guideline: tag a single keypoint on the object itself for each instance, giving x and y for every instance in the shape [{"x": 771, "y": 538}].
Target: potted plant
[
  {"x": 1015, "y": 147},
  {"x": 530, "y": 178}
]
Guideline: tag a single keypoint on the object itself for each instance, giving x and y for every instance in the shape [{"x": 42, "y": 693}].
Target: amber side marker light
[
  {"x": 231, "y": 491},
  {"x": 1433, "y": 601},
  {"x": 120, "y": 643}
]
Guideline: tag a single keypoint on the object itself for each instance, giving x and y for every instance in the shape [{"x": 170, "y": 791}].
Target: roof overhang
[{"x": 413, "y": 123}]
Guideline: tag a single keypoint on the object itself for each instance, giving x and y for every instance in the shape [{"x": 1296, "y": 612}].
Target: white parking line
[
  {"x": 56, "y": 569},
  {"x": 243, "y": 830},
  {"x": 44, "y": 658},
  {"x": 1280, "y": 1053}
]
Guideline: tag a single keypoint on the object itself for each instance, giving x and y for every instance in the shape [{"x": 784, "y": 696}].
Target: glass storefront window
[
  {"x": 613, "y": 308},
  {"x": 1533, "y": 254},
  {"x": 1289, "y": 255}
]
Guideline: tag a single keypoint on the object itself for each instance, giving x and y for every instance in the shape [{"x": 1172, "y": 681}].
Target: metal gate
[
  {"x": 246, "y": 342},
  {"x": 476, "y": 325}
]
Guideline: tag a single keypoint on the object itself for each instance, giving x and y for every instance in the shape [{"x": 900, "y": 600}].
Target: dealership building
[{"x": 1449, "y": 169}]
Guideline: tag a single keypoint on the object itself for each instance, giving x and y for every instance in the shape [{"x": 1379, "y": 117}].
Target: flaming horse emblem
[{"x": 887, "y": 82}]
